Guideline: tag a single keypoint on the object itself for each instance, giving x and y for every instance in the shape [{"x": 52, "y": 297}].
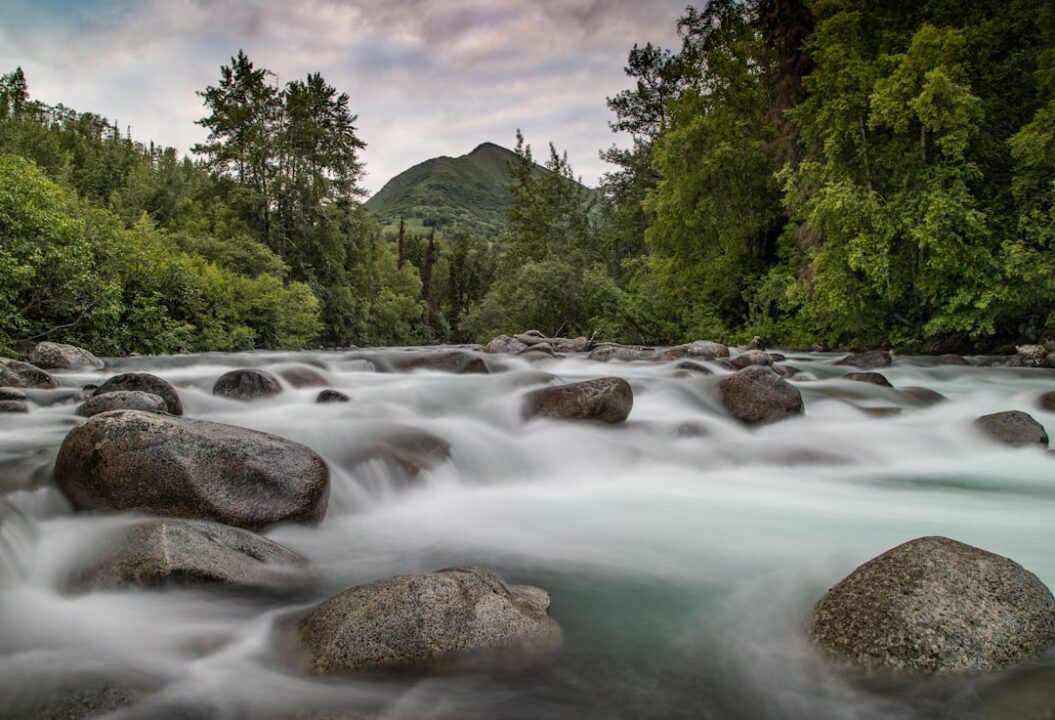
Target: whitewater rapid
[{"x": 683, "y": 551}]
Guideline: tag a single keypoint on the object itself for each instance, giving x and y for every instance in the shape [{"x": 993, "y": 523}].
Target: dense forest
[{"x": 834, "y": 171}]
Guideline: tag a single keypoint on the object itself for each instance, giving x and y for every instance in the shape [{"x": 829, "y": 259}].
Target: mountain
[{"x": 471, "y": 191}]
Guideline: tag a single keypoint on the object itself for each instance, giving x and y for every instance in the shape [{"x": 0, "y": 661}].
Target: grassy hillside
[{"x": 471, "y": 191}]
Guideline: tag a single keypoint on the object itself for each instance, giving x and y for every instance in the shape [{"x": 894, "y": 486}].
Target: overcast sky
[{"x": 426, "y": 77}]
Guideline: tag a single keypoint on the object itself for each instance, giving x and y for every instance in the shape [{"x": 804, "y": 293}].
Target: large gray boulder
[
  {"x": 15, "y": 373},
  {"x": 869, "y": 360},
  {"x": 459, "y": 362},
  {"x": 1013, "y": 427},
  {"x": 756, "y": 395},
  {"x": 607, "y": 399},
  {"x": 158, "y": 552},
  {"x": 122, "y": 400},
  {"x": 936, "y": 605},
  {"x": 57, "y": 356},
  {"x": 505, "y": 344},
  {"x": 172, "y": 466},
  {"x": 247, "y": 384},
  {"x": 458, "y": 619},
  {"x": 144, "y": 382}
]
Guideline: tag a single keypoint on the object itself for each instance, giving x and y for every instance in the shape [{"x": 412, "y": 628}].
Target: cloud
[{"x": 427, "y": 77}]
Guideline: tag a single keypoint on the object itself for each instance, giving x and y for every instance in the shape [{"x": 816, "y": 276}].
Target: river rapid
[{"x": 683, "y": 551}]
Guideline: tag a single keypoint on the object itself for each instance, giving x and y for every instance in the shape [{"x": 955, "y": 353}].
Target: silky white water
[{"x": 683, "y": 551}]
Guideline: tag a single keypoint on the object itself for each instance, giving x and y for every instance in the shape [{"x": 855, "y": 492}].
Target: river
[{"x": 683, "y": 551}]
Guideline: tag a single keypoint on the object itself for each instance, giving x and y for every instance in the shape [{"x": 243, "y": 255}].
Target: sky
[{"x": 426, "y": 77}]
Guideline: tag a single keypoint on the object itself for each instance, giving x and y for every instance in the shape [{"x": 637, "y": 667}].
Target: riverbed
[{"x": 682, "y": 550}]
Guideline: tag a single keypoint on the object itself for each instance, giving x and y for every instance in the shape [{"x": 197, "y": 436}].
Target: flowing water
[{"x": 682, "y": 550}]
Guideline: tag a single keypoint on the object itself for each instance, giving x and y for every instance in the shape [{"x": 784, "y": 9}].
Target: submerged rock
[
  {"x": 953, "y": 359},
  {"x": 15, "y": 373},
  {"x": 921, "y": 396},
  {"x": 607, "y": 399},
  {"x": 1013, "y": 427},
  {"x": 122, "y": 400},
  {"x": 458, "y": 619},
  {"x": 13, "y": 406},
  {"x": 936, "y": 605},
  {"x": 1046, "y": 401},
  {"x": 757, "y": 395},
  {"x": 693, "y": 367},
  {"x": 868, "y": 377},
  {"x": 412, "y": 449},
  {"x": 331, "y": 396},
  {"x": 11, "y": 393},
  {"x": 247, "y": 384},
  {"x": 57, "y": 356},
  {"x": 157, "y": 552},
  {"x": 302, "y": 376},
  {"x": 458, "y": 362},
  {"x": 166, "y": 465},
  {"x": 867, "y": 360},
  {"x": 505, "y": 344},
  {"x": 144, "y": 382}
]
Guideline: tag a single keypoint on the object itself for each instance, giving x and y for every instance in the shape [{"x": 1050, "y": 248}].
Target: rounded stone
[
  {"x": 936, "y": 605},
  {"x": 15, "y": 373},
  {"x": 453, "y": 620},
  {"x": 607, "y": 399},
  {"x": 1014, "y": 428},
  {"x": 331, "y": 396},
  {"x": 247, "y": 384},
  {"x": 176, "y": 467},
  {"x": 122, "y": 400},
  {"x": 58, "y": 356},
  {"x": 144, "y": 382},
  {"x": 757, "y": 395}
]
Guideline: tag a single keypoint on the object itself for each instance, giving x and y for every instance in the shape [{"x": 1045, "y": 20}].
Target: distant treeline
[{"x": 844, "y": 171}]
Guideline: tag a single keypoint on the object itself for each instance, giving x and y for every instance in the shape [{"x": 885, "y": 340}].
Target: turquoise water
[{"x": 682, "y": 567}]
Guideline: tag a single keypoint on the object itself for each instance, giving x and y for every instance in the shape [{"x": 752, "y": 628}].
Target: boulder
[
  {"x": 458, "y": 362},
  {"x": 1034, "y": 356},
  {"x": 247, "y": 384},
  {"x": 172, "y": 466},
  {"x": 145, "y": 382},
  {"x": 936, "y": 605},
  {"x": 1046, "y": 401},
  {"x": 757, "y": 395},
  {"x": 123, "y": 400},
  {"x": 867, "y": 360},
  {"x": 1013, "y": 427},
  {"x": 751, "y": 357},
  {"x": 57, "y": 356},
  {"x": 11, "y": 393},
  {"x": 571, "y": 345},
  {"x": 458, "y": 619},
  {"x": 504, "y": 344},
  {"x": 952, "y": 359},
  {"x": 542, "y": 348},
  {"x": 611, "y": 351},
  {"x": 302, "y": 376},
  {"x": 608, "y": 399},
  {"x": 15, "y": 373},
  {"x": 921, "y": 396},
  {"x": 158, "y": 552},
  {"x": 331, "y": 396},
  {"x": 13, "y": 406},
  {"x": 868, "y": 377}
]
